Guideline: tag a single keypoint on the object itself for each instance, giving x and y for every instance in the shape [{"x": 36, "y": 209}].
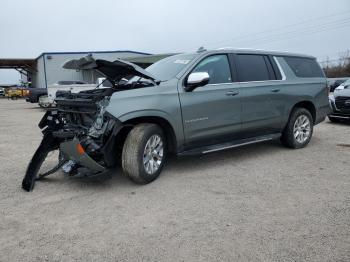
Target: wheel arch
[
  {"x": 307, "y": 105},
  {"x": 166, "y": 126}
]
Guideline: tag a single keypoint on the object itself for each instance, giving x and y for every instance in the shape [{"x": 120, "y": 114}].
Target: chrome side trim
[
  {"x": 261, "y": 81},
  {"x": 237, "y": 145},
  {"x": 219, "y": 84}
]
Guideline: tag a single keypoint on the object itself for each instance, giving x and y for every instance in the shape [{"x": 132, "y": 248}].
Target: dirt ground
[{"x": 257, "y": 203}]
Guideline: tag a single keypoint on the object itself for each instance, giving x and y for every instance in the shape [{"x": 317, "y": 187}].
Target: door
[
  {"x": 211, "y": 113},
  {"x": 260, "y": 94}
]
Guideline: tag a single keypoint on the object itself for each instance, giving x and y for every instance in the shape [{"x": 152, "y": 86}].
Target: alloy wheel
[
  {"x": 302, "y": 129},
  {"x": 153, "y": 154}
]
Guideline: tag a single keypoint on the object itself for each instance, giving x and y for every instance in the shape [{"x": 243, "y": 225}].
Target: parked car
[
  {"x": 340, "y": 103},
  {"x": 2, "y": 91},
  {"x": 35, "y": 93},
  {"x": 343, "y": 85},
  {"x": 185, "y": 104}
]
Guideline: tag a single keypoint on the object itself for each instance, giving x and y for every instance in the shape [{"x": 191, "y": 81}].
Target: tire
[
  {"x": 294, "y": 136},
  {"x": 135, "y": 153}
]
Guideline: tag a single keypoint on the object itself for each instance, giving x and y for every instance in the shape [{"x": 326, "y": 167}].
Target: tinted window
[
  {"x": 217, "y": 67},
  {"x": 304, "y": 67},
  {"x": 252, "y": 68}
]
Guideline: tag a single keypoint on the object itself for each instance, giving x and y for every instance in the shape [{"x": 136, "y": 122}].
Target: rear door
[
  {"x": 260, "y": 94},
  {"x": 211, "y": 113}
]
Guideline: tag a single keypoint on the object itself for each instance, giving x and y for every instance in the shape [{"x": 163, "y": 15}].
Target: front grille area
[{"x": 343, "y": 103}]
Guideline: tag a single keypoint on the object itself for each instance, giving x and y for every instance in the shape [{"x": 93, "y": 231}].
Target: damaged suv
[{"x": 185, "y": 104}]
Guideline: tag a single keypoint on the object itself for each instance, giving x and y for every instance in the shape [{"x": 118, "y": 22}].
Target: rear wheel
[
  {"x": 299, "y": 129},
  {"x": 144, "y": 153}
]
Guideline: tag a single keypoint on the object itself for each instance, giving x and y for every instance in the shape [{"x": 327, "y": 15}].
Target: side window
[
  {"x": 252, "y": 68},
  {"x": 218, "y": 68},
  {"x": 304, "y": 67}
]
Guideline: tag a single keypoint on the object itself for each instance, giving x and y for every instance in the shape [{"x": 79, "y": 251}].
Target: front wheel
[
  {"x": 144, "y": 153},
  {"x": 298, "y": 132}
]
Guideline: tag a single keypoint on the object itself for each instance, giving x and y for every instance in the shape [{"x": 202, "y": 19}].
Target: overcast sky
[{"x": 30, "y": 27}]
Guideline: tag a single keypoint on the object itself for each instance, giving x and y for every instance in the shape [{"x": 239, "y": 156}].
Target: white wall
[
  {"x": 55, "y": 72},
  {"x": 38, "y": 79}
]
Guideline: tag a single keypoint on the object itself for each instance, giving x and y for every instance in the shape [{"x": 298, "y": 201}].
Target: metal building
[
  {"x": 47, "y": 69},
  {"x": 49, "y": 66}
]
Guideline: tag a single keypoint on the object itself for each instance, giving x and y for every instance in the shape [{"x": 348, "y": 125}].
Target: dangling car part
[{"x": 79, "y": 127}]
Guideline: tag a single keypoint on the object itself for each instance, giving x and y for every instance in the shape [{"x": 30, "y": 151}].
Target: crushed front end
[
  {"x": 80, "y": 128},
  {"x": 82, "y": 131}
]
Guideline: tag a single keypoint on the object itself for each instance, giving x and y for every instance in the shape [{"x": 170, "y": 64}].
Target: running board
[{"x": 228, "y": 145}]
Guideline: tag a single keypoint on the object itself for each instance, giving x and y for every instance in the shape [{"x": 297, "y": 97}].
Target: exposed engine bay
[{"x": 80, "y": 128}]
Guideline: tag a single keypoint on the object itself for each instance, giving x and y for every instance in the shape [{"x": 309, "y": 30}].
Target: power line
[
  {"x": 296, "y": 33},
  {"x": 306, "y": 29},
  {"x": 279, "y": 28}
]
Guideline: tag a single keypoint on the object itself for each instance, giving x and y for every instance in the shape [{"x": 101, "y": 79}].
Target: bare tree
[{"x": 339, "y": 69}]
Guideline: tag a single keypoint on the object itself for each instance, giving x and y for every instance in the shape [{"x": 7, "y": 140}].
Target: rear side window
[
  {"x": 253, "y": 68},
  {"x": 304, "y": 67}
]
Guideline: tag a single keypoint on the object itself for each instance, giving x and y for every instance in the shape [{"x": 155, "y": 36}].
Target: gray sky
[{"x": 30, "y": 27}]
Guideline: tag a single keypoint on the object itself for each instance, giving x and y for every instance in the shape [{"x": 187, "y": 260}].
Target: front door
[{"x": 211, "y": 113}]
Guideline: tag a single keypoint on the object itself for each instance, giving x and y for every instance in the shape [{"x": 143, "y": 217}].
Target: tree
[{"x": 339, "y": 69}]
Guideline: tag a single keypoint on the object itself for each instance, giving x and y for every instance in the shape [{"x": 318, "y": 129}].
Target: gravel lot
[{"x": 258, "y": 203}]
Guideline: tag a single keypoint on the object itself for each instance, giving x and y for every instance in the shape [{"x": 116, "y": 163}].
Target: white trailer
[{"x": 49, "y": 100}]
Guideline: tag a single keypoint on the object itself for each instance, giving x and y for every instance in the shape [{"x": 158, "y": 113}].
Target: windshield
[
  {"x": 347, "y": 82},
  {"x": 169, "y": 67}
]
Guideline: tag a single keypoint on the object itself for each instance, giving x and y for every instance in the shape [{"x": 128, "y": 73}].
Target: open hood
[{"x": 113, "y": 70}]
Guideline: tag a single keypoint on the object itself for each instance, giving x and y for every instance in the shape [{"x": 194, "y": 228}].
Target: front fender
[{"x": 174, "y": 121}]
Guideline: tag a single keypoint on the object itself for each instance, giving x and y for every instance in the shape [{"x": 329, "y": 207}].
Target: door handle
[
  {"x": 232, "y": 93},
  {"x": 275, "y": 90}
]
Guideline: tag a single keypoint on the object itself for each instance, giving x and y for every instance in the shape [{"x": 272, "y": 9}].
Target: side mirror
[{"x": 195, "y": 80}]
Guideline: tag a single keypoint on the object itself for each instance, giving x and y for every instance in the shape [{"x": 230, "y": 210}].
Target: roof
[
  {"x": 18, "y": 63},
  {"x": 92, "y": 52},
  {"x": 259, "y": 51},
  {"x": 29, "y": 64}
]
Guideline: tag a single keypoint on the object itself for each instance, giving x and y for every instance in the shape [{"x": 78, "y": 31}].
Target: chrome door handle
[
  {"x": 232, "y": 93},
  {"x": 275, "y": 90}
]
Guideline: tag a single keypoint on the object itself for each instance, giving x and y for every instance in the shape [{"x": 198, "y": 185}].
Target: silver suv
[{"x": 184, "y": 105}]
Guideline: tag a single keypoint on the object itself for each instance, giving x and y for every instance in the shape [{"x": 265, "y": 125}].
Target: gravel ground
[{"x": 258, "y": 203}]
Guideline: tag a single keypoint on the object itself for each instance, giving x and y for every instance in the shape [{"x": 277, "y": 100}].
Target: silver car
[{"x": 340, "y": 103}]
